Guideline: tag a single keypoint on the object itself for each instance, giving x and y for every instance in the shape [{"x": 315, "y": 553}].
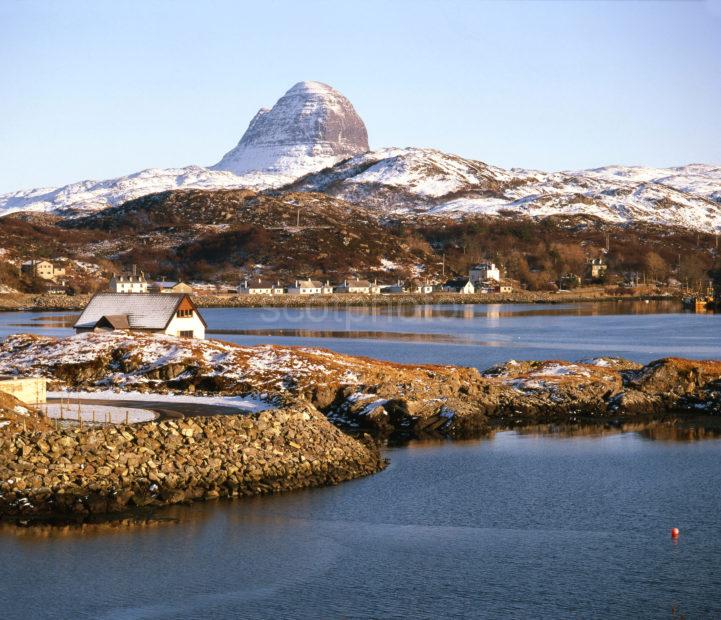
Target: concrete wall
[{"x": 30, "y": 390}]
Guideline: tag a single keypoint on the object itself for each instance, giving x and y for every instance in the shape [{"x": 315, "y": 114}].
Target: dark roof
[
  {"x": 116, "y": 321},
  {"x": 458, "y": 282},
  {"x": 308, "y": 283},
  {"x": 164, "y": 283},
  {"x": 142, "y": 310},
  {"x": 261, "y": 284}
]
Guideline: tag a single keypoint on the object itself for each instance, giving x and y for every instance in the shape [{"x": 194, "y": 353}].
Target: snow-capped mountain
[
  {"x": 405, "y": 181},
  {"x": 311, "y": 127},
  {"x": 313, "y": 140},
  {"x": 87, "y": 196}
]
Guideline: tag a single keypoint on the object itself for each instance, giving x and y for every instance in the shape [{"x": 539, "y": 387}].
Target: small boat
[{"x": 700, "y": 302}]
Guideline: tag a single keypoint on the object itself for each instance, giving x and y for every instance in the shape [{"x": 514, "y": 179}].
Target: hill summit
[{"x": 311, "y": 127}]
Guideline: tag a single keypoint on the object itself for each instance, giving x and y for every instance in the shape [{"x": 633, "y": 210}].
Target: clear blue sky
[{"x": 100, "y": 89}]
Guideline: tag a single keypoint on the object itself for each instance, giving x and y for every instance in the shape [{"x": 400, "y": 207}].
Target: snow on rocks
[{"x": 153, "y": 364}]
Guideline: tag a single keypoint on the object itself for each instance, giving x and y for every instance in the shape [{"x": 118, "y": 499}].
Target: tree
[{"x": 655, "y": 265}]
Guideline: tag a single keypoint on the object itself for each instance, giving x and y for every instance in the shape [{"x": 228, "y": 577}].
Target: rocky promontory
[
  {"x": 51, "y": 471},
  {"x": 363, "y": 394},
  {"x": 72, "y": 474}
]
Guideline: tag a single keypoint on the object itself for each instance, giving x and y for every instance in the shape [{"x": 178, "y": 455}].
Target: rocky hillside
[
  {"x": 226, "y": 235},
  {"x": 204, "y": 234}
]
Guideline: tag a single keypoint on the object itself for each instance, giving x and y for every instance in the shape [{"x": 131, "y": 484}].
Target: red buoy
[{"x": 675, "y": 532}]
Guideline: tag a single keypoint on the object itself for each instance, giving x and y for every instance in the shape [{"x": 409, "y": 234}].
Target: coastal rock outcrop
[
  {"x": 71, "y": 474},
  {"x": 362, "y": 394},
  {"x": 554, "y": 389},
  {"x": 409, "y": 399},
  {"x": 672, "y": 383}
]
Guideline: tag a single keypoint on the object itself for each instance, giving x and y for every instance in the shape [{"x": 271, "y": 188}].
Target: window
[
  {"x": 184, "y": 313},
  {"x": 186, "y": 333}
]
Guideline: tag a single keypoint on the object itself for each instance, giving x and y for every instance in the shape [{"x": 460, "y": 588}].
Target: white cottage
[
  {"x": 260, "y": 287},
  {"x": 464, "y": 286},
  {"x": 128, "y": 283},
  {"x": 309, "y": 287},
  {"x": 158, "y": 313},
  {"x": 485, "y": 271},
  {"x": 359, "y": 286}
]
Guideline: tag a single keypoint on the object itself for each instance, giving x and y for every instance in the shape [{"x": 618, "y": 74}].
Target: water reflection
[
  {"x": 473, "y": 311},
  {"x": 47, "y": 320},
  {"x": 684, "y": 429},
  {"x": 356, "y": 334}
]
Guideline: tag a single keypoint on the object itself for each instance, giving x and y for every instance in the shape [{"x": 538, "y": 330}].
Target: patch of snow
[
  {"x": 562, "y": 370},
  {"x": 389, "y": 265}
]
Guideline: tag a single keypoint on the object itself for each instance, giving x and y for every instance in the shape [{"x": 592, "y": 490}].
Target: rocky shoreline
[
  {"x": 325, "y": 401},
  {"x": 73, "y": 474},
  {"x": 35, "y": 302},
  {"x": 367, "y": 395}
]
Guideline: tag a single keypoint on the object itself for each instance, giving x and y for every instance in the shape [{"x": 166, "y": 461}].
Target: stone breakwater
[
  {"x": 74, "y": 474},
  {"x": 22, "y": 301}
]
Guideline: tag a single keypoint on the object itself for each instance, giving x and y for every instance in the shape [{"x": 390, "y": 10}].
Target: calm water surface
[
  {"x": 469, "y": 335},
  {"x": 516, "y": 526}
]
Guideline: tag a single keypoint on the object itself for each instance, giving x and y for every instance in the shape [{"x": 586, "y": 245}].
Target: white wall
[
  {"x": 182, "y": 324},
  {"x": 30, "y": 390}
]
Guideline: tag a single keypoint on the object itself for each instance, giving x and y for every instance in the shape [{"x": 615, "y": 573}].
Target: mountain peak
[{"x": 311, "y": 127}]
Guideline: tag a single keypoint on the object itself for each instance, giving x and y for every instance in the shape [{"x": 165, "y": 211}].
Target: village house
[
  {"x": 392, "y": 289},
  {"x": 505, "y": 287},
  {"x": 356, "y": 286},
  {"x": 173, "y": 314},
  {"x": 169, "y": 286},
  {"x": 464, "y": 286},
  {"x": 486, "y": 288},
  {"x": 423, "y": 288},
  {"x": 484, "y": 271},
  {"x": 309, "y": 287},
  {"x": 260, "y": 287},
  {"x": 597, "y": 268},
  {"x": 57, "y": 288},
  {"x": 569, "y": 281},
  {"x": 42, "y": 269},
  {"x": 128, "y": 283}
]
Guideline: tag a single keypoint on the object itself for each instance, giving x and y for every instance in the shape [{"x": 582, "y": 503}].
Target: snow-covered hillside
[
  {"x": 84, "y": 196},
  {"x": 412, "y": 180},
  {"x": 407, "y": 181}
]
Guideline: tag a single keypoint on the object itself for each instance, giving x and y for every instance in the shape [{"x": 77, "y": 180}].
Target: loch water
[{"x": 519, "y": 525}]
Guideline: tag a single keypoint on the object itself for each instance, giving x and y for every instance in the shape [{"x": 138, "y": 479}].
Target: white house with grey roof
[
  {"x": 310, "y": 287},
  {"x": 158, "y": 313},
  {"x": 261, "y": 287},
  {"x": 128, "y": 283}
]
